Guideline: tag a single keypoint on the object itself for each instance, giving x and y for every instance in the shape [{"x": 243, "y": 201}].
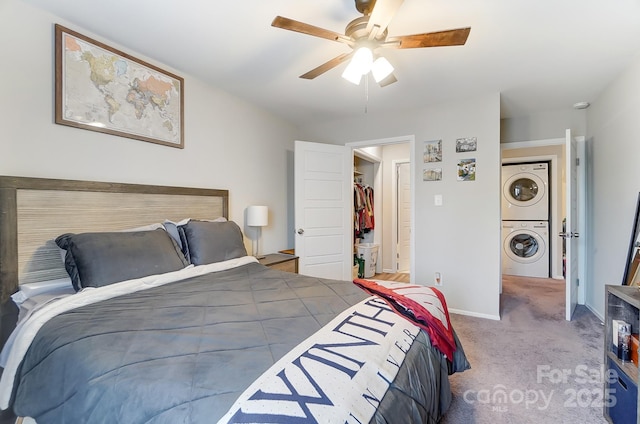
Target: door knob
[{"x": 300, "y": 231}]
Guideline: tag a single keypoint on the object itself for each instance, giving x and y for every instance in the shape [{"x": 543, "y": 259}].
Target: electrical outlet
[{"x": 437, "y": 278}]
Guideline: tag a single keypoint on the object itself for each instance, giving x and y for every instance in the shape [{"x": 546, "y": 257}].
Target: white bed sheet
[{"x": 26, "y": 309}]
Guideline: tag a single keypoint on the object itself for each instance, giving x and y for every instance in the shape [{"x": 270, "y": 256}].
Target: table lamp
[{"x": 257, "y": 216}]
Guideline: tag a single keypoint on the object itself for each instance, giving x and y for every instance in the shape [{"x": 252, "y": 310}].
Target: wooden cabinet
[
  {"x": 621, "y": 380},
  {"x": 281, "y": 261}
]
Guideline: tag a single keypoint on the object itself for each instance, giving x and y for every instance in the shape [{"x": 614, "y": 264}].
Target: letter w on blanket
[
  {"x": 424, "y": 306},
  {"x": 338, "y": 375}
]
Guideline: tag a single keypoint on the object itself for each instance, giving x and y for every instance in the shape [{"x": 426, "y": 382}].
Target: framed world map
[{"x": 99, "y": 88}]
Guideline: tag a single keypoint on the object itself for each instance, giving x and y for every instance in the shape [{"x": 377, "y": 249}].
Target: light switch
[{"x": 437, "y": 199}]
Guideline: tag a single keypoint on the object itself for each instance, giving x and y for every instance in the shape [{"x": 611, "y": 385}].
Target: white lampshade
[
  {"x": 363, "y": 59},
  {"x": 359, "y": 65},
  {"x": 381, "y": 69},
  {"x": 352, "y": 74},
  {"x": 257, "y": 216}
]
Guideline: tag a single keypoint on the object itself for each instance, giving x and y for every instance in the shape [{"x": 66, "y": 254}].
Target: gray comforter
[{"x": 183, "y": 352}]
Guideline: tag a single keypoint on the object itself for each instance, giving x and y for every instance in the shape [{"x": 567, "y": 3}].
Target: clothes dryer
[
  {"x": 525, "y": 192},
  {"x": 525, "y": 248}
]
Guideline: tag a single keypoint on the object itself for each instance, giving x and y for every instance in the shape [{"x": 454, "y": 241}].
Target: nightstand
[{"x": 281, "y": 262}]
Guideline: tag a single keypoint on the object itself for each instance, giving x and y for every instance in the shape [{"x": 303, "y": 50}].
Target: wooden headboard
[{"x": 34, "y": 211}]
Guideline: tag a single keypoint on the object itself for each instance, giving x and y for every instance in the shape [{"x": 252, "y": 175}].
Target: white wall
[
  {"x": 544, "y": 125},
  {"x": 613, "y": 145},
  {"x": 229, "y": 144},
  {"x": 460, "y": 239}
]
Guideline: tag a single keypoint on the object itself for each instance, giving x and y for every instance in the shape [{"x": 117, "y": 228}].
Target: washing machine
[
  {"x": 525, "y": 248},
  {"x": 525, "y": 192}
]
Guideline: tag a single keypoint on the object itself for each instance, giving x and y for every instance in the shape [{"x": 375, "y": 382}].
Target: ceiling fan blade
[
  {"x": 297, "y": 26},
  {"x": 388, "y": 80},
  {"x": 453, "y": 37},
  {"x": 327, "y": 66},
  {"x": 381, "y": 15}
]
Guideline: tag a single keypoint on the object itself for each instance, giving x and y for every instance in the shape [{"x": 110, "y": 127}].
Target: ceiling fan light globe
[
  {"x": 352, "y": 74},
  {"x": 362, "y": 60},
  {"x": 381, "y": 69}
]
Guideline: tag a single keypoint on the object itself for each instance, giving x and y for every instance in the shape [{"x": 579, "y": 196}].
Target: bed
[{"x": 175, "y": 323}]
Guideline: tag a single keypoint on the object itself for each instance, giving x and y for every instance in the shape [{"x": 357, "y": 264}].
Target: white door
[
  {"x": 404, "y": 216},
  {"x": 570, "y": 234},
  {"x": 323, "y": 175}
]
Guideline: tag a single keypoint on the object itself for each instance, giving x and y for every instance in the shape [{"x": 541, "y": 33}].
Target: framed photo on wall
[
  {"x": 466, "y": 144},
  {"x": 432, "y": 151},
  {"x": 102, "y": 89},
  {"x": 432, "y": 174},
  {"x": 467, "y": 170}
]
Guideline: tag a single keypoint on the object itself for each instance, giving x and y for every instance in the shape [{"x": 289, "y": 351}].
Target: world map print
[{"x": 110, "y": 92}]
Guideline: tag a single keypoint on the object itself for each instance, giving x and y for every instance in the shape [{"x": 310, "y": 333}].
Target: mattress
[{"x": 187, "y": 346}]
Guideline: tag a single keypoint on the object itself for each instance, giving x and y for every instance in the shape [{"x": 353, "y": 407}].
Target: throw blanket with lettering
[
  {"x": 339, "y": 375},
  {"x": 424, "y": 306}
]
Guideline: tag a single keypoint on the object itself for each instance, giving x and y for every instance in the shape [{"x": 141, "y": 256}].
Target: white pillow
[
  {"x": 184, "y": 221},
  {"x": 149, "y": 227},
  {"x": 27, "y": 291}
]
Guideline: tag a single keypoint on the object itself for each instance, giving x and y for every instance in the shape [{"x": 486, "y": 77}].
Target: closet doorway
[{"x": 386, "y": 165}]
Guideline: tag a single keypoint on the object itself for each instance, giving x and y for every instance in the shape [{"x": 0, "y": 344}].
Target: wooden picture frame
[{"x": 103, "y": 89}]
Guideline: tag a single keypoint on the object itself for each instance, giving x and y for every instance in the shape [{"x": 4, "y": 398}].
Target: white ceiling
[{"x": 539, "y": 54}]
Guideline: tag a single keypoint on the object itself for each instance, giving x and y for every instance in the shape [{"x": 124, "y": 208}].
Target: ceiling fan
[{"x": 366, "y": 35}]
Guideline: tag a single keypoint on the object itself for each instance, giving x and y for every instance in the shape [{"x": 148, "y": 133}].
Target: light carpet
[{"x": 532, "y": 366}]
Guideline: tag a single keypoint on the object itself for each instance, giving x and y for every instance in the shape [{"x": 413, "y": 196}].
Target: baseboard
[
  {"x": 474, "y": 314},
  {"x": 596, "y": 313}
]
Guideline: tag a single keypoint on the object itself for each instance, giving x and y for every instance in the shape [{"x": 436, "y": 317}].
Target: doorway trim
[{"x": 412, "y": 172}]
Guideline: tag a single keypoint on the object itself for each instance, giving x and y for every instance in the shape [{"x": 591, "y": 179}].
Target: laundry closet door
[
  {"x": 323, "y": 209},
  {"x": 571, "y": 232}
]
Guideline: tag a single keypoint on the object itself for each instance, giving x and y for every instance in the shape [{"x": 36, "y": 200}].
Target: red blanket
[{"x": 424, "y": 306}]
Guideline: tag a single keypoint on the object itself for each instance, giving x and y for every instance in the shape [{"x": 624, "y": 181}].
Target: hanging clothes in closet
[{"x": 364, "y": 220}]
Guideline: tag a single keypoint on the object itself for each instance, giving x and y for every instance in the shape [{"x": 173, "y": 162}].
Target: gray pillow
[
  {"x": 100, "y": 259},
  {"x": 206, "y": 242}
]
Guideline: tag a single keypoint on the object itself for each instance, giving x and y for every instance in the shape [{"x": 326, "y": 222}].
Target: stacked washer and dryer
[{"x": 525, "y": 219}]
